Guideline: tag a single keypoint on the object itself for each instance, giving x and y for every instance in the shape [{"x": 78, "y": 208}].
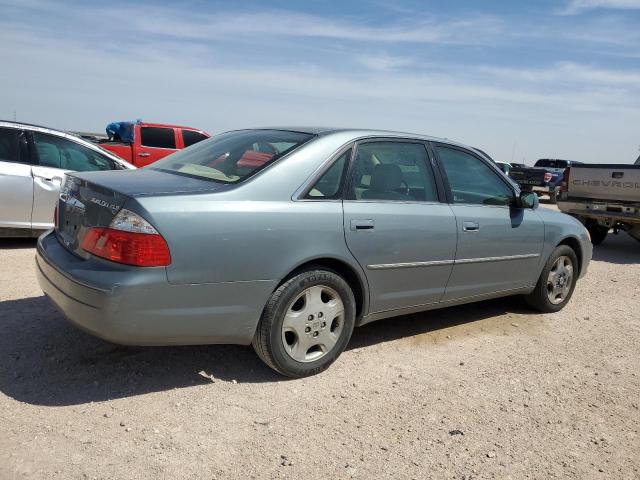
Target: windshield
[
  {"x": 552, "y": 163},
  {"x": 231, "y": 157}
]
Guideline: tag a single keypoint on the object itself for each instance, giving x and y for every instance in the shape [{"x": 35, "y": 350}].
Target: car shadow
[
  {"x": 47, "y": 361},
  {"x": 620, "y": 249},
  {"x": 16, "y": 243}
]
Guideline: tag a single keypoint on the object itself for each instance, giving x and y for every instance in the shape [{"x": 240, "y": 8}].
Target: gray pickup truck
[{"x": 603, "y": 197}]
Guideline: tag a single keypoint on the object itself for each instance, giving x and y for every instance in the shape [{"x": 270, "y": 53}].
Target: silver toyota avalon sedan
[{"x": 288, "y": 238}]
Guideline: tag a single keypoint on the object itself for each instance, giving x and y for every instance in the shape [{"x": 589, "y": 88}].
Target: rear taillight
[
  {"x": 130, "y": 240},
  {"x": 547, "y": 177}
]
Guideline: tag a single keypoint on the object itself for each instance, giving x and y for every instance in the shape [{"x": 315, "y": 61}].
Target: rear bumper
[
  {"x": 602, "y": 210},
  {"x": 543, "y": 189},
  {"x": 137, "y": 306}
]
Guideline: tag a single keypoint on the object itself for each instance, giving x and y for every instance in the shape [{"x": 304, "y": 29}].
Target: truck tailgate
[
  {"x": 528, "y": 176},
  {"x": 605, "y": 182}
]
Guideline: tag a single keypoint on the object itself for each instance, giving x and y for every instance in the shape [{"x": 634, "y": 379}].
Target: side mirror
[{"x": 529, "y": 200}]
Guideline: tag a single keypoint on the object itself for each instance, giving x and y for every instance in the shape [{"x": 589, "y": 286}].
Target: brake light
[
  {"x": 547, "y": 177},
  {"x": 130, "y": 240}
]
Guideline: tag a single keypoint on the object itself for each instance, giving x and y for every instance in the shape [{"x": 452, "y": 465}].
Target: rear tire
[
  {"x": 597, "y": 232},
  {"x": 557, "y": 281},
  {"x": 306, "y": 324}
]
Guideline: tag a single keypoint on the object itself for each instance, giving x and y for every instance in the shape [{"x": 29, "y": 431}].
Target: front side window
[
  {"x": 9, "y": 145},
  {"x": 471, "y": 180},
  {"x": 392, "y": 171},
  {"x": 57, "y": 152},
  {"x": 157, "y": 137},
  {"x": 189, "y": 137},
  {"x": 233, "y": 156},
  {"x": 328, "y": 186}
]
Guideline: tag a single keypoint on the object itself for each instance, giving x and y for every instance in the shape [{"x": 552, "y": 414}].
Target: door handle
[
  {"x": 470, "y": 226},
  {"x": 144, "y": 154},
  {"x": 362, "y": 224},
  {"x": 49, "y": 179}
]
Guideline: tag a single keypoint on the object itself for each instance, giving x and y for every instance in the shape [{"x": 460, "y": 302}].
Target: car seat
[{"x": 385, "y": 181}]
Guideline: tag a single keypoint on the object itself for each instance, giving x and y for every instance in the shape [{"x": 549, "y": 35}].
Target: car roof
[
  {"x": 60, "y": 133},
  {"x": 363, "y": 132},
  {"x": 169, "y": 125}
]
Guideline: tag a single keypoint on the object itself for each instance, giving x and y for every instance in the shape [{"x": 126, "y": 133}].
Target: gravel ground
[{"x": 489, "y": 390}]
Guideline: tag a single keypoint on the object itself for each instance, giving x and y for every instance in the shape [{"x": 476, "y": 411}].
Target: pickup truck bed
[{"x": 603, "y": 196}]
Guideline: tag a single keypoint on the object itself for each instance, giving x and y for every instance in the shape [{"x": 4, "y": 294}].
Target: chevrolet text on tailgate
[
  {"x": 288, "y": 238},
  {"x": 603, "y": 197}
]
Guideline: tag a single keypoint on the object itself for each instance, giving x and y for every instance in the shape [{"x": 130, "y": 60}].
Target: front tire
[
  {"x": 306, "y": 324},
  {"x": 597, "y": 233},
  {"x": 557, "y": 281}
]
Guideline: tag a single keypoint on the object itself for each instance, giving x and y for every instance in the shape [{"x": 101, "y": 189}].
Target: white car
[{"x": 33, "y": 161}]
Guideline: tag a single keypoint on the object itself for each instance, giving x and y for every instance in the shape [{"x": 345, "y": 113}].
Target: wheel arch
[
  {"x": 350, "y": 273},
  {"x": 574, "y": 244}
]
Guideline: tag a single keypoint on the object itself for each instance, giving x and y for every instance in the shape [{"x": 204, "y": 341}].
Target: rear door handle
[
  {"x": 362, "y": 224},
  {"x": 144, "y": 154},
  {"x": 470, "y": 226}
]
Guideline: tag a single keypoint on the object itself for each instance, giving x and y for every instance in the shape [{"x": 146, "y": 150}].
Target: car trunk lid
[{"x": 93, "y": 199}]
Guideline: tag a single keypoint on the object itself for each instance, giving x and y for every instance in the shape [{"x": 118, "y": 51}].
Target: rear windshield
[
  {"x": 552, "y": 163},
  {"x": 231, "y": 157}
]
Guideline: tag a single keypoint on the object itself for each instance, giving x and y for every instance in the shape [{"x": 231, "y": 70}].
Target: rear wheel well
[
  {"x": 341, "y": 268},
  {"x": 574, "y": 244}
]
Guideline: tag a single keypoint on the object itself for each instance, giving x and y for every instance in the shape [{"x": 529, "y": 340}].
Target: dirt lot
[{"x": 489, "y": 390}]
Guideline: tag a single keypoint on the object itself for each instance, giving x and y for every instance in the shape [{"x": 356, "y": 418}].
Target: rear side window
[
  {"x": 57, "y": 152},
  {"x": 9, "y": 145},
  {"x": 328, "y": 186},
  {"x": 471, "y": 180},
  {"x": 157, "y": 137},
  {"x": 392, "y": 171},
  {"x": 189, "y": 137}
]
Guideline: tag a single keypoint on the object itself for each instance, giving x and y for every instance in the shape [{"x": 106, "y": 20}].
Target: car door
[
  {"x": 396, "y": 226},
  {"x": 154, "y": 143},
  {"x": 16, "y": 183},
  {"x": 53, "y": 157},
  {"x": 499, "y": 244}
]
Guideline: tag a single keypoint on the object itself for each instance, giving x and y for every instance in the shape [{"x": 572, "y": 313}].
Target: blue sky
[{"x": 521, "y": 80}]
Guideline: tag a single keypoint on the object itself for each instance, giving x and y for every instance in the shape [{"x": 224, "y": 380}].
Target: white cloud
[
  {"x": 384, "y": 61},
  {"x": 580, "y": 6},
  {"x": 313, "y": 70}
]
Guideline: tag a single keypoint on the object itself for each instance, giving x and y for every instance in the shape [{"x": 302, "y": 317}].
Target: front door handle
[
  {"x": 470, "y": 226},
  {"x": 49, "y": 179},
  {"x": 144, "y": 154},
  {"x": 367, "y": 224}
]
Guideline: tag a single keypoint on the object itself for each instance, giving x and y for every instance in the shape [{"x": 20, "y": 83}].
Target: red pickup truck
[{"x": 143, "y": 143}]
